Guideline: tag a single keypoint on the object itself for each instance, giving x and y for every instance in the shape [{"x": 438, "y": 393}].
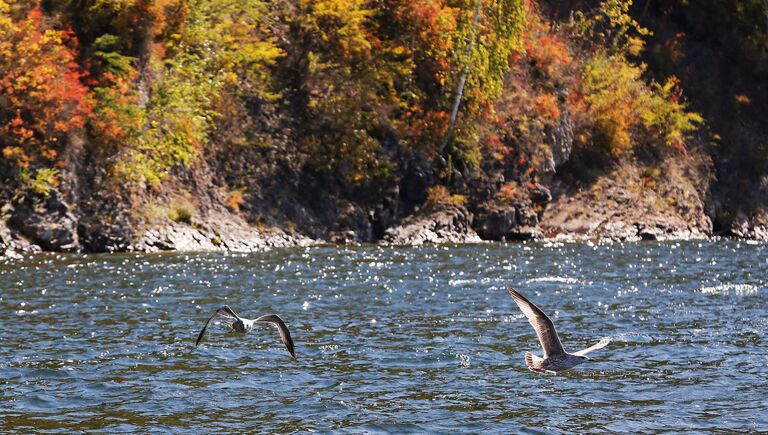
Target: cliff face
[
  {"x": 719, "y": 50},
  {"x": 626, "y": 201},
  {"x": 572, "y": 139},
  {"x": 635, "y": 202}
]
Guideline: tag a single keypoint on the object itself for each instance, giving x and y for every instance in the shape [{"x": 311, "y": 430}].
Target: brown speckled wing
[{"x": 543, "y": 326}]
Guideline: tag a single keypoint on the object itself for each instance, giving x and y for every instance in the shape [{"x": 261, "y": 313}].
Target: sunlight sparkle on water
[{"x": 417, "y": 339}]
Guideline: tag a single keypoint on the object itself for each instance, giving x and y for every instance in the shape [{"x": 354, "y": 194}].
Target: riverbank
[
  {"x": 628, "y": 203},
  {"x": 568, "y": 218}
]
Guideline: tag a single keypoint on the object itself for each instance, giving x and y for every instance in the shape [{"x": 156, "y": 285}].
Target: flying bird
[
  {"x": 556, "y": 359},
  {"x": 236, "y": 323}
]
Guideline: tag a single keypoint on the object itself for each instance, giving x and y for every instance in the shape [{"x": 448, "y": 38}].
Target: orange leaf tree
[{"x": 42, "y": 98}]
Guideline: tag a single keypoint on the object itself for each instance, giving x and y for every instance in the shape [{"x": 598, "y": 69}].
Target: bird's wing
[
  {"x": 544, "y": 327},
  {"x": 285, "y": 335},
  {"x": 599, "y": 345},
  {"x": 224, "y": 312}
]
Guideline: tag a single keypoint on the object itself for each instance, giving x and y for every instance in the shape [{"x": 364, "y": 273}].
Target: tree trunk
[
  {"x": 145, "y": 47},
  {"x": 463, "y": 80}
]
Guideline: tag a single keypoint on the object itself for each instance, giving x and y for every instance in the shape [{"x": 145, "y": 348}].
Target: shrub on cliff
[
  {"x": 619, "y": 107},
  {"x": 623, "y": 110}
]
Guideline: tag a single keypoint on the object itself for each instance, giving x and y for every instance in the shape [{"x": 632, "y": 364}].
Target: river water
[{"x": 389, "y": 340}]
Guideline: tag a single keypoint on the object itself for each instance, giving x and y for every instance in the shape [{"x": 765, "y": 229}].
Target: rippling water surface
[{"x": 388, "y": 340}]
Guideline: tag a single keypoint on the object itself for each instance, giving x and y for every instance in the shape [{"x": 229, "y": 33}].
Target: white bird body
[
  {"x": 556, "y": 359},
  {"x": 242, "y": 325}
]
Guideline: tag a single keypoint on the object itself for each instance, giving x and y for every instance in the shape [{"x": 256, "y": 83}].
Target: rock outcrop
[
  {"x": 352, "y": 225},
  {"x": 48, "y": 222},
  {"x": 13, "y": 246},
  {"x": 627, "y": 205},
  {"x": 507, "y": 223},
  {"x": 218, "y": 232},
  {"x": 448, "y": 224},
  {"x": 755, "y": 227}
]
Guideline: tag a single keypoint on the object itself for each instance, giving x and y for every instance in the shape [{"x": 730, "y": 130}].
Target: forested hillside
[{"x": 165, "y": 124}]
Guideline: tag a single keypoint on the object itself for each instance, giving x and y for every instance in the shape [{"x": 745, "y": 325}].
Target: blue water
[{"x": 388, "y": 340}]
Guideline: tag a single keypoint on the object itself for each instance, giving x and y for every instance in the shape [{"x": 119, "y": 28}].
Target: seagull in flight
[
  {"x": 556, "y": 359},
  {"x": 236, "y": 323}
]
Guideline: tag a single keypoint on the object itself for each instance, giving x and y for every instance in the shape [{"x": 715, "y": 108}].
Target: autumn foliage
[
  {"x": 351, "y": 85},
  {"x": 42, "y": 97}
]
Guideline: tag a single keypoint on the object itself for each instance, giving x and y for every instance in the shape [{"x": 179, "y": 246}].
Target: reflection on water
[{"x": 387, "y": 339}]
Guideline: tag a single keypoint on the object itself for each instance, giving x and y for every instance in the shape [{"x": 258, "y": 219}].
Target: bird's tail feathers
[
  {"x": 533, "y": 362},
  {"x": 529, "y": 360}
]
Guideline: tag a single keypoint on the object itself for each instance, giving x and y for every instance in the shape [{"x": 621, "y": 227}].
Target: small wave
[
  {"x": 560, "y": 279},
  {"x": 25, "y": 312},
  {"x": 737, "y": 289}
]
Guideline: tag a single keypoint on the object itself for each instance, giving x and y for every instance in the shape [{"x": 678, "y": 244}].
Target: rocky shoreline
[
  {"x": 627, "y": 203},
  {"x": 224, "y": 231}
]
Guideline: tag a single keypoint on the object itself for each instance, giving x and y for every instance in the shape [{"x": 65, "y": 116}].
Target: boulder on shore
[
  {"x": 48, "y": 222},
  {"x": 508, "y": 223},
  {"x": 11, "y": 245},
  {"x": 448, "y": 224}
]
